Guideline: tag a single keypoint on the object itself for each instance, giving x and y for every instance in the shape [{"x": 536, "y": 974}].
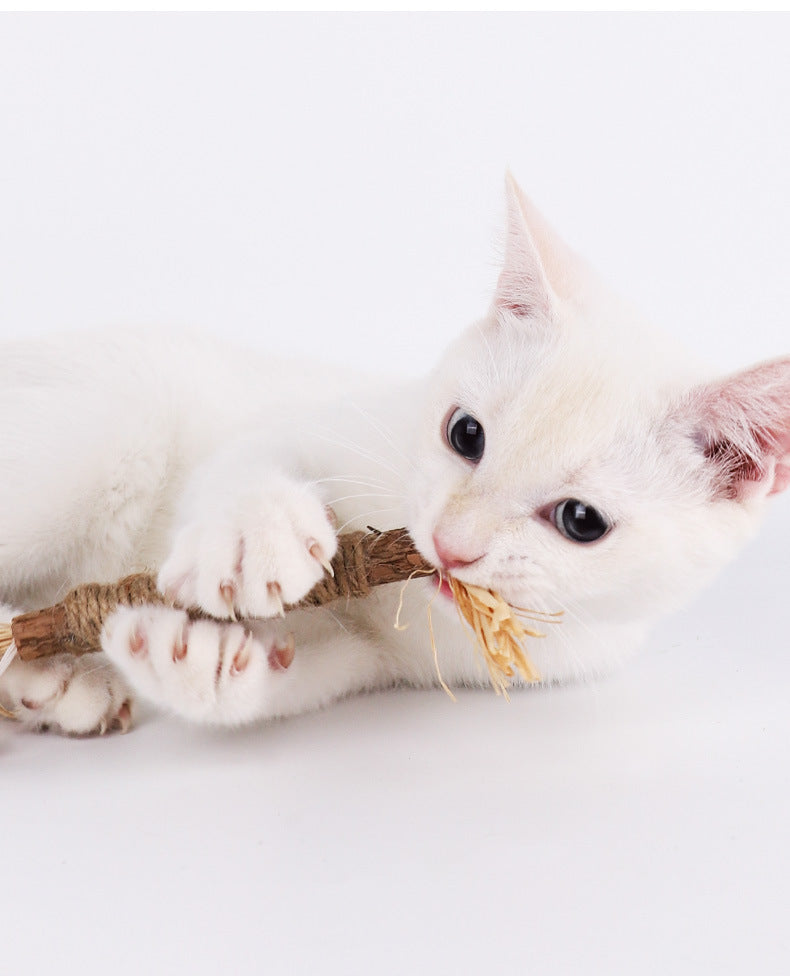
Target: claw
[
  {"x": 242, "y": 657},
  {"x": 172, "y": 592},
  {"x": 138, "y": 645},
  {"x": 315, "y": 550},
  {"x": 227, "y": 591},
  {"x": 123, "y": 719},
  {"x": 180, "y": 647},
  {"x": 281, "y": 656},
  {"x": 276, "y": 596}
]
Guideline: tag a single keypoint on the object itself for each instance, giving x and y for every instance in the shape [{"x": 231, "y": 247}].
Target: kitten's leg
[
  {"x": 228, "y": 674},
  {"x": 249, "y": 539},
  {"x": 249, "y": 544},
  {"x": 74, "y": 695}
]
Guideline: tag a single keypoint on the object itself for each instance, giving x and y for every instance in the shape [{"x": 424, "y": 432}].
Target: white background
[{"x": 334, "y": 186}]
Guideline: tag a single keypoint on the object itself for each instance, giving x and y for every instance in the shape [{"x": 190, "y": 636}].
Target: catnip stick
[{"x": 363, "y": 560}]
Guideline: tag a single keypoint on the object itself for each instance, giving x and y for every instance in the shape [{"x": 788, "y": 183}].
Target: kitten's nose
[{"x": 451, "y": 558}]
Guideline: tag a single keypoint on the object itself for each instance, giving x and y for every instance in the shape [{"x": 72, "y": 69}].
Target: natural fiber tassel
[{"x": 499, "y": 634}]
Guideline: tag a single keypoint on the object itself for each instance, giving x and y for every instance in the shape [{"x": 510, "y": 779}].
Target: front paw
[
  {"x": 204, "y": 670},
  {"x": 270, "y": 550}
]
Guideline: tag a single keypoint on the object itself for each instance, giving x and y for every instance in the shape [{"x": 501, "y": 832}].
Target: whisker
[
  {"x": 365, "y": 494},
  {"x": 100, "y": 666},
  {"x": 386, "y": 434},
  {"x": 365, "y": 515},
  {"x": 362, "y": 482},
  {"x": 354, "y": 448},
  {"x": 336, "y": 619}
]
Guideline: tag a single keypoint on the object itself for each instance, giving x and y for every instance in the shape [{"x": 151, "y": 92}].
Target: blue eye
[
  {"x": 466, "y": 436},
  {"x": 579, "y": 522}
]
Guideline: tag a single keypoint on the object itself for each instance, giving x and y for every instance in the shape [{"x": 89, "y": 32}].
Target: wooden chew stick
[{"x": 363, "y": 560}]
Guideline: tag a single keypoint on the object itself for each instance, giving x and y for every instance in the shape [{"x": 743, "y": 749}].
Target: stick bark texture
[{"x": 363, "y": 560}]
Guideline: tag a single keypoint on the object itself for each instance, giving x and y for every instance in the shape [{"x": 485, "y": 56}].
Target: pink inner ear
[
  {"x": 520, "y": 294},
  {"x": 778, "y": 454},
  {"x": 522, "y": 288},
  {"x": 737, "y": 472},
  {"x": 522, "y": 311},
  {"x": 745, "y": 430},
  {"x": 782, "y": 468},
  {"x": 781, "y": 479}
]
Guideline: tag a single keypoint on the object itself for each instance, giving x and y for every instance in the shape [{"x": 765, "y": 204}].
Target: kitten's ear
[
  {"x": 539, "y": 266},
  {"x": 523, "y": 289},
  {"x": 742, "y": 426}
]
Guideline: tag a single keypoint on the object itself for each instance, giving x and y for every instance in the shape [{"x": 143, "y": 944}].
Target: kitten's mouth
[{"x": 445, "y": 589}]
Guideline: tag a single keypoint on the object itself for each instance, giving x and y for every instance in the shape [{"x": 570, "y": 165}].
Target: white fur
[{"x": 141, "y": 451}]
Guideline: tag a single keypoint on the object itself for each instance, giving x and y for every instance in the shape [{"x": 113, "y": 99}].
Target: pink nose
[{"x": 450, "y": 558}]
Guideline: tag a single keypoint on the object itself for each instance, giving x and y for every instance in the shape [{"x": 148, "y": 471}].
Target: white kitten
[{"x": 559, "y": 454}]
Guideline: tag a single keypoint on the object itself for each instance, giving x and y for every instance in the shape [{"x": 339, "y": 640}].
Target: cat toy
[{"x": 363, "y": 560}]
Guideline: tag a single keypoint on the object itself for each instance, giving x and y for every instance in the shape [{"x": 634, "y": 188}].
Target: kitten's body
[{"x": 142, "y": 451}]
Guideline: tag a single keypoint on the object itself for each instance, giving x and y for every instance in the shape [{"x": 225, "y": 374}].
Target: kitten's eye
[
  {"x": 579, "y": 522},
  {"x": 465, "y": 435}
]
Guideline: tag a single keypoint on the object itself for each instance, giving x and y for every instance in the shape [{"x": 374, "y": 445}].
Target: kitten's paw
[
  {"x": 73, "y": 695},
  {"x": 202, "y": 669},
  {"x": 272, "y": 551}
]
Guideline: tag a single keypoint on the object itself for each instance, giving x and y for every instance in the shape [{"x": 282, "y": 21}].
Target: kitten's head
[{"x": 571, "y": 461}]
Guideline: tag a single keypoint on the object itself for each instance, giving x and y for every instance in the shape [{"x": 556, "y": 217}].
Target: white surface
[{"x": 336, "y": 185}]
